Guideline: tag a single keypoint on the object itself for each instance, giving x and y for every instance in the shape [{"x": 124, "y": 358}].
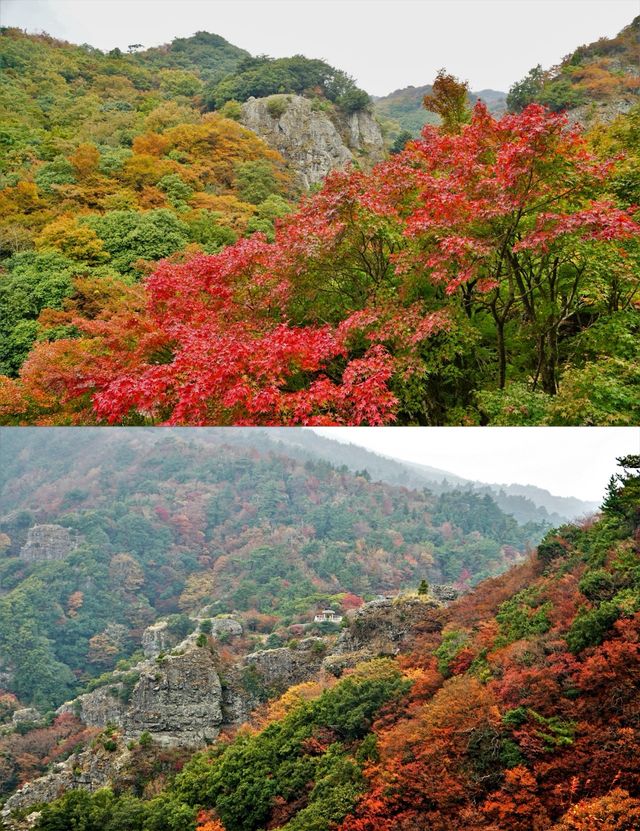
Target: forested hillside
[
  {"x": 516, "y": 709},
  {"x": 404, "y": 106},
  {"x": 598, "y": 79},
  {"x": 156, "y": 269},
  {"x": 161, "y": 527},
  {"x": 110, "y": 162}
]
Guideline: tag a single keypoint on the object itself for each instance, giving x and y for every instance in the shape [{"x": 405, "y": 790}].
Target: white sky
[
  {"x": 567, "y": 461},
  {"x": 384, "y": 44}
]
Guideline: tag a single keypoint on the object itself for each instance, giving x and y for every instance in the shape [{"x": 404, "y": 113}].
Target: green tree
[
  {"x": 129, "y": 236},
  {"x": 525, "y": 91},
  {"x": 255, "y": 181}
]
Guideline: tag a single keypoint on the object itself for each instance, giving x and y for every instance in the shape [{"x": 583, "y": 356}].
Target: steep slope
[
  {"x": 164, "y": 525},
  {"x": 596, "y": 82},
  {"x": 514, "y": 708}
]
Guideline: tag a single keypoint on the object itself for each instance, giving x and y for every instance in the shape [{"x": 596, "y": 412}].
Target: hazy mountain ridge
[{"x": 539, "y": 502}]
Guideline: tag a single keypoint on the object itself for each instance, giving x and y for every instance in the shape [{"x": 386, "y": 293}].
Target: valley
[{"x": 221, "y": 693}]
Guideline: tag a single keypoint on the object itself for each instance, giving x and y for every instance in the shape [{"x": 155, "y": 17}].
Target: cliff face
[
  {"x": 184, "y": 699},
  {"x": 47, "y": 542},
  {"x": 178, "y": 701},
  {"x": 382, "y": 627},
  {"x": 90, "y": 770},
  {"x": 602, "y": 112},
  {"x": 313, "y": 141},
  {"x": 278, "y": 669}
]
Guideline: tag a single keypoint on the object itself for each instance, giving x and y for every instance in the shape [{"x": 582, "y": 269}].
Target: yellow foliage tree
[
  {"x": 85, "y": 160},
  {"x": 76, "y": 241}
]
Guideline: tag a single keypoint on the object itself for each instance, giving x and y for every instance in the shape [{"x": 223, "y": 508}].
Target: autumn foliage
[
  {"x": 352, "y": 315},
  {"x": 535, "y": 730}
]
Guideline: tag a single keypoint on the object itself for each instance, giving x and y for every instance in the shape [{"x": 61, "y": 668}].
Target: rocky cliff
[
  {"x": 278, "y": 669},
  {"x": 313, "y": 140},
  {"x": 185, "y": 698},
  {"x": 178, "y": 700},
  {"x": 382, "y": 627},
  {"x": 47, "y": 542}
]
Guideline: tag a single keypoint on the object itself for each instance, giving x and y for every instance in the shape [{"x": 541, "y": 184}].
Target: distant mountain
[
  {"x": 513, "y": 708},
  {"x": 103, "y": 530},
  {"x": 405, "y": 106},
  {"x": 526, "y": 503}
]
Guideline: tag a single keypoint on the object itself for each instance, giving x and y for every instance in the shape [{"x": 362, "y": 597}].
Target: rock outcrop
[
  {"x": 156, "y": 639},
  {"x": 178, "y": 700},
  {"x": 277, "y": 669},
  {"x": 27, "y": 715},
  {"x": 382, "y": 627},
  {"x": 181, "y": 700},
  {"x": 105, "y": 705},
  {"x": 600, "y": 112},
  {"x": 314, "y": 141},
  {"x": 90, "y": 769},
  {"x": 47, "y": 542}
]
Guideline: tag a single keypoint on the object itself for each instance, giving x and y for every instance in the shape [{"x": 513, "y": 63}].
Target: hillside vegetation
[
  {"x": 170, "y": 526},
  {"x": 405, "y": 108},
  {"x": 592, "y": 76},
  {"x": 156, "y": 271},
  {"x": 518, "y": 713},
  {"x": 110, "y": 162}
]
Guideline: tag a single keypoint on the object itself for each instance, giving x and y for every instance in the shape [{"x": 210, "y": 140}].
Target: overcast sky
[
  {"x": 567, "y": 461},
  {"x": 384, "y": 44}
]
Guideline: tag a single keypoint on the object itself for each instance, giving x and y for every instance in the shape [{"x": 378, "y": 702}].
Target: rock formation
[
  {"x": 47, "y": 542},
  {"x": 178, "y": 701},
  {"x": 181, "y": 699},
  {"x": 314, "y": 141},
  {"x": 156, "y": 639},
  {"x": 103, "y": 706},
  {"x": 278, "y": 669},
  {"x": 382, "y": 627}
]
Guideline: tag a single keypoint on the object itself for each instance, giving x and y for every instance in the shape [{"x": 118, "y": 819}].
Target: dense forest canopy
[
  {"x": 155, "y": 269},
  {"x": 110, "y": 162},
  {"x": 515, "y": 709},
  {"x": 167, "y": 527}
]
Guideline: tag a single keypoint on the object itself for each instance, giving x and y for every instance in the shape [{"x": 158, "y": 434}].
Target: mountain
[
  {"x": 512, "y": 708},
  {"x": 158, "y": 265},
  {"x": 104, "y": 531},
  {"x": 404, "y": 106},
  {"x": 596, "y": 82},
  {"x": 116, "y": 160},
  {"x": 524, "y": 502}
]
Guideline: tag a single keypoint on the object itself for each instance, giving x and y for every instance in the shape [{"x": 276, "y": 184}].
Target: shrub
[
  {"x": 277, "y": 106},
  {"x": 591, "y": 626},
  {"x": 597, "y": 585},
  {"x": 231, "y": 109}
]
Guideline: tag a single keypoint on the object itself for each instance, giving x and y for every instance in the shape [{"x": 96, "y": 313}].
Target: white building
[{"x": 327, "y": 616}]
